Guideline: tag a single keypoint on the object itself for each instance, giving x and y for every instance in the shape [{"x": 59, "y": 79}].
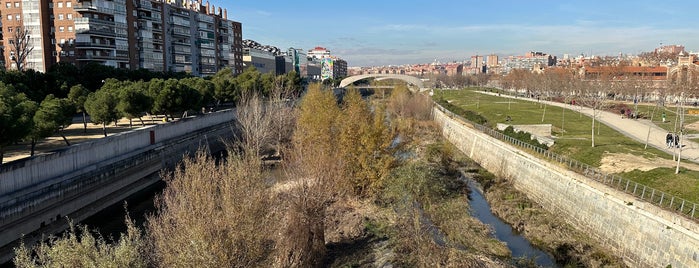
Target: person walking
[
  {"x": 668, "y": 140},
  {"x": 677, "y": 141}
]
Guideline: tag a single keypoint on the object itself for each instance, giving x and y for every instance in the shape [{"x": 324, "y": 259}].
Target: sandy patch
[
  {"x": 693, "y": 126},
  {"x": 616, "y": 163}
]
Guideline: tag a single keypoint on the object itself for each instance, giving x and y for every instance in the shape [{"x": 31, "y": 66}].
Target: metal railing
[{"x": 654, "y": 196}]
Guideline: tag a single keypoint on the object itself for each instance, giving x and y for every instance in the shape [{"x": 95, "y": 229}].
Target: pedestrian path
[{"x": 637, "y": 129}]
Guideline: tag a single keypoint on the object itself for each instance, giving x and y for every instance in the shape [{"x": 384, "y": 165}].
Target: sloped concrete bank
[{"x": 642, "y": 234}]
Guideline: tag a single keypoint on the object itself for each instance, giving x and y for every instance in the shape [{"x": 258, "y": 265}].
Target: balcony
[
  {"x": 84, "y": 45},
  {"x": 93, "y": 9}
]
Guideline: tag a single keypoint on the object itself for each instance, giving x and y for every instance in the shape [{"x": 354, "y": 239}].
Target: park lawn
[
  {"x": 671, "y": 119},
  {"x": 570, "y": 127},
  {"x": 573, "y": 137},
  {"x": 683, "y": 184}
]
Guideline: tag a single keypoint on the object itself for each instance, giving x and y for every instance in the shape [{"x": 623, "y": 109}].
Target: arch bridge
[{"x": 412, "y": 80}]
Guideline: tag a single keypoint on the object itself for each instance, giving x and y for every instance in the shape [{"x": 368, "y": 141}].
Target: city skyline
[{"x": 375, "y": 33}]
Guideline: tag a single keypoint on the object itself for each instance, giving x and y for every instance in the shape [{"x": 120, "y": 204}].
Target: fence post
[
  {"x": 672, "y": 200},
  {"x": 662, "y": 196},
  {"x": 643, "y": 194},
  {"x": 634, "y": 187},
  {"x": 651, "y": 195},
  {"x": 694, "y": 207},
  {"x": 627, "y": 186},
  {"x": 682, "y": 206}
]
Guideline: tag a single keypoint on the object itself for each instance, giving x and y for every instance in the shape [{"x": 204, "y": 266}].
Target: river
[{"x": 520, "y": 246}]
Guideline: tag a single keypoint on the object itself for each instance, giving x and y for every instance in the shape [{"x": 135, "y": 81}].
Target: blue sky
[{"x": 373, "y": 33}]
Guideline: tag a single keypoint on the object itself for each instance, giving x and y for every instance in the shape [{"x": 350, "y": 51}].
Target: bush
[
  {"x": 524, "y": 137},
  {"x": 466, "y": 114}
]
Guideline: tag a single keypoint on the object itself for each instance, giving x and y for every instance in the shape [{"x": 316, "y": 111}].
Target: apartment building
[{"x": 158, "y": 35}]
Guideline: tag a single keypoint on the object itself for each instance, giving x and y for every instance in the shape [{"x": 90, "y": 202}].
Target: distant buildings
[
  {"x": 529, "y": 61},
  {"x": 672, "y": 49},
  {"x": 158, "y": 35}
]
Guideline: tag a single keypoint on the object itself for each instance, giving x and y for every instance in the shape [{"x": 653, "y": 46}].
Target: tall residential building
[
  {"x": 332, "y": 67},
  {"x": 158, "y": 35}
]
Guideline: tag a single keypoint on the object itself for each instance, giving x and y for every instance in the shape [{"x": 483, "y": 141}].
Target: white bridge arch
[{"x": 407, "y": 78}]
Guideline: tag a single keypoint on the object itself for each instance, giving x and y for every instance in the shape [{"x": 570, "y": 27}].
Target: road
[{"x": 636, "y": 129}]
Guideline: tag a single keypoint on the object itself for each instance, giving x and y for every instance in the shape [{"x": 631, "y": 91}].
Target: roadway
[{"x": 636, "y": 129}]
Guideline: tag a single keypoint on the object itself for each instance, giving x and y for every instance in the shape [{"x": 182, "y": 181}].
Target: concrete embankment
[
  {"x": 37, "y": 194},
  {"x": 642, "y": 234}
]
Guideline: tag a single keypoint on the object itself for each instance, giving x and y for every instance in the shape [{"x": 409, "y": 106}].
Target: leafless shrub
[{"x": 211, "y": 216}]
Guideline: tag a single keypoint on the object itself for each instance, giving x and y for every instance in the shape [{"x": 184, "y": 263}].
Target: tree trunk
[
  {"x": 64, "y": 137},
  {"x": 593, "y": 128},
  {"x": 143, "y": 124},
  {"x": 130, "y": 122},
  {"x": 104, "y": 128},
  {"x": 84, "y": 122},
  {"x": 33, "y": 147}
]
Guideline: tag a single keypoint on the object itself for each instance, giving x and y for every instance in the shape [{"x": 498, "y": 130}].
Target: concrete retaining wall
[
  {"x": 18, "y": 175},
  {"x": 77, "y": 182},
  {"x": 644, "y": 235}
]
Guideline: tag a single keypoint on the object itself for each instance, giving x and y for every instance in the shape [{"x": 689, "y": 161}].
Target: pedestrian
[
  {"x": 663, "y": 117},
  {"x": 677, "y": 141},
  {"x": 622, "y": 113},
  {"x": 668, "y": 140}
]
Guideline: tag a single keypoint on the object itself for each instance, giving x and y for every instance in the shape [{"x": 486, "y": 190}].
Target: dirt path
[{"x": 618, "y": 163}]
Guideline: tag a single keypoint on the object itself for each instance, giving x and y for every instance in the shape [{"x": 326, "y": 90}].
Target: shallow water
[{"x": 520, "y": 246}]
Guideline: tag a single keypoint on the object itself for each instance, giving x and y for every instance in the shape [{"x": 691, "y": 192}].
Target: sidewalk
[{"x": 636, "y": 129}]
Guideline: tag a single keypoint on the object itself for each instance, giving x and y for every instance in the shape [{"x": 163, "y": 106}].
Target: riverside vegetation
[{"x": 353, "y": 195}]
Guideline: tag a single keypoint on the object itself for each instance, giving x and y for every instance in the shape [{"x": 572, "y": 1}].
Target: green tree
[
  {"x": 53, "y": 115},
  {"x": 174, "y": 97},
  {"x": 249, "y": 81},
  {"x": 267, "y": 84},
  {"x": 134, "y": 101},
  {"x": 224, "y": 86},
  {"x": 205, "y": 88},
  {"x": 16, "y": 112},
  {"x": 102, "y": 107},
  {"x": 77, "y": 95}
]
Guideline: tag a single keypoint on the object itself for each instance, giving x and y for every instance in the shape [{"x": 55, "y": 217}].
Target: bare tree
[
  {"x": 20, "y": 47},
  {"x": 592, "y": 96},
  {"x": 255, "y": 123}
]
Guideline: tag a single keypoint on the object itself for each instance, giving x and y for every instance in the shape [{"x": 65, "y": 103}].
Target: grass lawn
[
  {"x": 573, "y": 132},
  {"x": 671, "y": 119}
]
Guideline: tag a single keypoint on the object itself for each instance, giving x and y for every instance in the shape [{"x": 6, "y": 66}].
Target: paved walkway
[{"x": 636, "y": 129}]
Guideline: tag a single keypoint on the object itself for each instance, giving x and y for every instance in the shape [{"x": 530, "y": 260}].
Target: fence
[{"x": 656, "y": 197}]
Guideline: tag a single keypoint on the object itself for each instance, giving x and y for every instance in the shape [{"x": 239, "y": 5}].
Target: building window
[
  {"x": 68, "y": 4},
  {"x": 51, "y": 5},
  {"x": 9, "y": 17},
  {"x": 61, "y": 29},
  {"x": 12, "y": 41},
  {"x": 8, "y": 5},
  {"x": 63, "y": 41},
  {"x": 9, "y": 29},
  {"x": 16, "y": 4},
  {"x": 69, "y": 16},
  {"x": 53, "y": 41},
  {"x": 71, "y": 53},
  {"x": 18, "y": 17},
  {"x": 60, "y": 16},
  {"x": 60, "y": 4},
  {"x": 70, "y": 29},
  {"x": 53, "y": 29}
]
